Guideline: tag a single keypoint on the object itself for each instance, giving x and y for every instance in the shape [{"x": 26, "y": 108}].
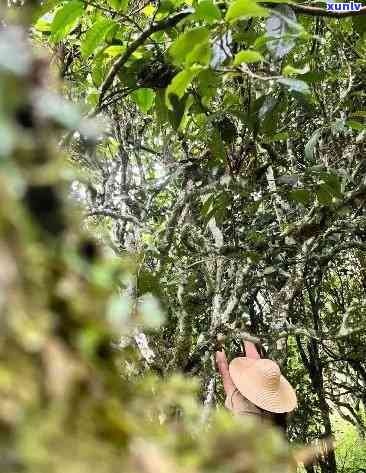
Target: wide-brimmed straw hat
[{"x": 262, "y": 383}]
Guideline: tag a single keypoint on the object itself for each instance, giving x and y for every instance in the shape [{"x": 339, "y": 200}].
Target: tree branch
[
  {"x": 115, "y": 215},
  {"x": 118, "y": 64},
  {"x": 143, "y": 345},
  {"x": 207, "y": 404},
  {"x": 184, "y": 334}
]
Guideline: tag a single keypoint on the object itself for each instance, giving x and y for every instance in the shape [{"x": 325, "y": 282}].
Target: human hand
[{"x": 223, "y": 365}]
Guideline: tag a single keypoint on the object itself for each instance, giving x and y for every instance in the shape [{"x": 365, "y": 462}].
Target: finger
[
  {"x": 223, "y": 367},
  {"x": 251, "y": 350}
]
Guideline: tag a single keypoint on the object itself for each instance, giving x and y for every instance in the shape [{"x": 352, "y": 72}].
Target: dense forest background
[{"x": 177, "y": 176}]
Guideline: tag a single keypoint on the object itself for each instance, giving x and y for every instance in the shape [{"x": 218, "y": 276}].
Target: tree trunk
[{"x": 329, "y": 464}]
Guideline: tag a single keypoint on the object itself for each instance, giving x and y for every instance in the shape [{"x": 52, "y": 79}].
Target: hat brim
[{"x": 250, "y": 384}]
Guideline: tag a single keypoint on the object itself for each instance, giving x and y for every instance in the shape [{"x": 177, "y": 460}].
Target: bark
[{"x": 315, "y": 368}]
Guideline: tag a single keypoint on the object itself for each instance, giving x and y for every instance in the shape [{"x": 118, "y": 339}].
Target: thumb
[
  {"x": 223, "y": 367},
  {"x": 250, "y": 350}
]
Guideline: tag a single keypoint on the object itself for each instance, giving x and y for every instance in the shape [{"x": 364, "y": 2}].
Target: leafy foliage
[
  {"x": 232, "y": 166},
  {"x": 69, "y": 401},
  {"x": 351, "y": 448}
]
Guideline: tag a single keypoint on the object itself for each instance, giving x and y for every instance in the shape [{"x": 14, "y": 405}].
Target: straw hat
[{"x": 262, "y": 383}]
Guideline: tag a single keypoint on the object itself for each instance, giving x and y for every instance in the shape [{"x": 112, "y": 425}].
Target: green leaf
[
  {"x": 333, "y": 184},
  {"x": 310, "y": 145},
  {"x": 208, "y": 205},
  {"x": 252, "y": 255},
  {"x": 359, "y": 113},
  {"x": 46, "y": 7},
  {"x": 278, "y": 137},
  {"x": 247, "y": 57},
  {"x": 252, "y": 116},
  {"x": 220, "y": 208},
  {"x": 324, "y": 194},
  {"x": 180, "y": 82},
  {"x": 208, "y": 11},
  {"x": 120, "y": 5},
  {"x": 245, "y": 8},
  {"x": 166, "y": 6},
  {"x": 355, "y": 125},
  {"x": 98, "y": 71},
  {"x": 302, "y": 196},
  {"x": 65, "y": 19},
  {"x": 359, "y": 25},
  {"x": 201, "y": 54},
  {"x": 161, "y": 110},
  {"x": 217, "y": 147},
  {"x": 115, "y": 50},
  {"x": 185, "y": 48},
  {"x": 295, "y": 85},
  {"x": 175, "y": 116},
  {"x": 144, "y": 98},
  {"x": 95, "y": 36},
  {"x": 208, "y": 82},
  {"x": 313, "y": 76},
  {"x": 42, "y": 25},
  {"x": 293, "y": 71},
  {"x": 270, "y": 113},
  {"x": 164, "y": 115},
  {"x": 260, "y": 42}
]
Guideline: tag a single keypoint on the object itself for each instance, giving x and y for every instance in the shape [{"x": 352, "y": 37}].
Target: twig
[
  {"x": 207, "y": 404},
  {"x": 154, "y": 28},
  {"x": 143, "y": 345},
  {"x": 115, "y": 215}
]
